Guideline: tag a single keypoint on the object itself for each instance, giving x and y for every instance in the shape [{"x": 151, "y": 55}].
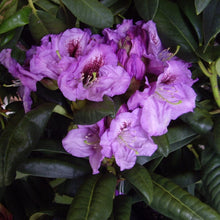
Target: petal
[
  {"x": 95, "y": 161},
  {"x": 74, "y": 143},
  {"x": 155, "y": 116},
  {"x": 154, "y": 44}
]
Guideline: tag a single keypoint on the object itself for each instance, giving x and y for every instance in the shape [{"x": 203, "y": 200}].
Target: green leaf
[
  {"x": 196, "y": 21},
  {"x": 140, "y": 179},
  {"x": 122, "y": 207},
  {"x": 211, "y": 21},
  {"x": 211, "y": 53},
  {"x": 178, "y": 136},
  {"x": 94, "y": 200},
  {"x": 172, "y": 201},
  {"x": 147, "y": 8},
  {"x": 19, "y": 138},
  {"x": 216, "y": 136},
  {"x": 108, "y": 3},
  {"x": 174, "y": 31},
  {"x": 120, "y": 7},
  {"x": 211, "y": 182},
  {"x": 47, "y": 6},
  {"x": 201, "y": 5},
  {"x": 93, "y": 112},
  {"x": 7, "y": 9},
  {"x": 55, "y": 168},
  {"x": 200, "y": 120},
  {"x": 43, "y": 23},
  {"x": 217, "y": 65},
  {"x": 20, "y": 18},
  {"x": 163, "y": 144},
  {"x": 91, "y": 12}
]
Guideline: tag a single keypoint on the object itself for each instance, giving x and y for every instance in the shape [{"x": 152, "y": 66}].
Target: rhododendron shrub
[
  {"x": 88, "y": 67},
  {"x": 109, "y": 109}
]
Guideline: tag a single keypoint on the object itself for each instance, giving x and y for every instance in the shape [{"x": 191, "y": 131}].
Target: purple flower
[
  {"x": 94, "y": 75},
  {"x": 28, "y": 79},
  {"x": 165, "y": 99},
  {"x": 84, "y": 142},
  {"x": 125, "y": 140}
]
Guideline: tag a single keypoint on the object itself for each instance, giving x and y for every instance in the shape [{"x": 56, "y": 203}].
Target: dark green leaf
[
  {"x": 54, "y": 168},
  {"x": 211, "y": 53},
  {"x": 174, "y": 31},
  {"x": 94, "y": 200},
  {"x": 216, "y": 132},
  {"x": 108, "y": 3},
  {"x": 19, "y": 138},
  {"x": 91, "y": 12},
  {"x": 47, "y": 6},
  {"x": 172, "y": 201},
  {"x": 93, "y": 112},
  {"x": 196, "y": 21},
  {"x": 211, "y": 182},
  {"x": 163, "y": 144},
  {"x": 120, "y": 7},
  {"x": 43, "y": 23},
  {"x": 201, "y": 5},
  {"x": 19, "y": 19},
  {"x": 178, "y": 136},
  {"x": 147, "y": 8},
  {"x": 50, "y": 145},
  {"x": 7, "y": 9},
  {"x": 211, "y": 21},
  {"x": 200, "y": 120},
  {"x": 122, "y": 208},
  {"x": 7, "y": 37},
  {"x": 140, "y": 179}
]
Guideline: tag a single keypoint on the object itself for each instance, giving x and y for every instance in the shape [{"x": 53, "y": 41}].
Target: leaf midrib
[{"x": 175, "y": 198}]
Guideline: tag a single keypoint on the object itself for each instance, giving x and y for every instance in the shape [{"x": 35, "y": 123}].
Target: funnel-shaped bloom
[
  {"x": 165, "y": 99},
  {"x": 94, "y": 75},
  {"x": 125, "y": 140},
  {"x": 84, "y": 142}
]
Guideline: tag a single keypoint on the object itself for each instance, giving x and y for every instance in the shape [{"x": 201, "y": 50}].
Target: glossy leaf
[
  {"x": 122, "y": 207},
  {"x": 19, "y": 138},
  {"x": 174, "y": 31},
  {"x": 43, "y": 23},
  {"x": 200, "y": 5},
  {"x": 200, "y": 120},
  {"x": 47, "y": 6},
  {"x": 211, "y": 182},
  {"x": 54, "y": 168},
  {"x": 140, "y": 179},
  {"x": 91, "y": 12},
  {"x": 94, "y": 200},
  {"x": 172, "y": 201},
  {"x": 211, "y": 21},
  {"x": 147, "y": 8},
  {"x": 108, "y": 3},
  {"x": 20, "y": 18},
  {"x": 163, "y": 144},
  {"x": 120, "y": 7},
  {"x": 211, "y": 53},
  {"x": 93, "y": 112},
  {"x": 178, "y": 136},
  {"x": 196, "y": 21},
  {"x": 7, "y": 8},
  {"x": 216, "y": 132}
]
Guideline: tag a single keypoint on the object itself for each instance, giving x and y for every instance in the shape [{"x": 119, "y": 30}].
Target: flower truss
[{"x": 129, "y": 60}]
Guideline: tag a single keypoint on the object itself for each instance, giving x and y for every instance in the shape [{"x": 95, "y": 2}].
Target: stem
[
  {"x": 203, "y": 68},
  {"x": 215, "y": 89},
  {"x": 32, "y": 6}
]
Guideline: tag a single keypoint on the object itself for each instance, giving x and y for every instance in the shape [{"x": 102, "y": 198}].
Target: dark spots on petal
[
  {"x": 73, "y": 49},
  {"x": 91, "y": 71},
  {"x": 168, "y": 79}
]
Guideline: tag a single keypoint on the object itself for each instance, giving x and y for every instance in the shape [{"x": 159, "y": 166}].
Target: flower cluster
[{"x": 127, "y": 60}]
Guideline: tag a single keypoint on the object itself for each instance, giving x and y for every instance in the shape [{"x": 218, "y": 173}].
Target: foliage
[{"x": 38, "y": 178}]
